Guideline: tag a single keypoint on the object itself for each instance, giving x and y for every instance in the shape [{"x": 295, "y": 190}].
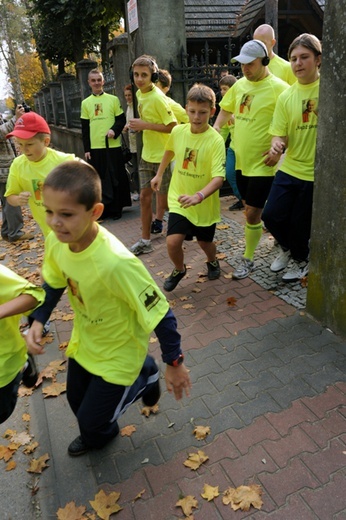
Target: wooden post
[{"x": 271, "y": 18}]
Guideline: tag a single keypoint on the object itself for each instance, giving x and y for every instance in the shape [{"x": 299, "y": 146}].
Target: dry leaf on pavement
[
  {"x": 201, "y": 432},
  {"x": 187, "y": 504},
  {"x": 195, "y": 460},
  {"x": 21, "y": 438},
  {"x": 11, "y": 465},
  {"x": 71, "y": 512},
  {"x": 24, "y": 391},
  {"x": 243, "y": 497},
  {"x": 231, "y": 301},
  {"x": 140, "y": 494},
  {"x": 105, "y": 505},
  {"x": 128, "y": 430},
  {"x": 54, "y": 390},
  {"x": 31, "y": 448},
  {"x": 38, "y": 465},
  {"x": 147, "y": 410},
  {"x": 51, "y": 370},
  {"x": 6, "y": 453},
  {"x": 210, "y": 492},
  {"x": 68, "y": 317},
  {"x": 222, "y": 226}
]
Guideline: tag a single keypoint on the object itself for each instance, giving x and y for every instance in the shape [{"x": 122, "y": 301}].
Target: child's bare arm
[
  {"x": 192, "y": 200},
  {"x": 19, "y": 200},
  {"x": 222, "y": 119},
  {"x": 138, "y": 125},
  {"x": 166, "y": 159},
  {"x": 19, "y": 305}
]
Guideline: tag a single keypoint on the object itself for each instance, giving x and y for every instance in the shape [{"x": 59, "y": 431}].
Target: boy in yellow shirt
[
  {"x": 116, "y": 304},
  {"x": 36, "y": 160},
  {"x": 17, "y": 296},
  {"x": 199, "y": 172},
  {"x": 156, "y": 122}
]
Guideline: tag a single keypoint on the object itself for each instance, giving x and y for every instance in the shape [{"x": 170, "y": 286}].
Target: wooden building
[{"x": 227, "y": 24}]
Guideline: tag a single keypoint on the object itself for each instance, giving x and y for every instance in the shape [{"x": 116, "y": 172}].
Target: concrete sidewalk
[{"x": 268, "y": 380}]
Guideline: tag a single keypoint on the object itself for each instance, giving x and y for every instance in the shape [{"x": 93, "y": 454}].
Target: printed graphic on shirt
[
  {"x": 310, "y": 110},
  {"x": 245, "y": 104},
  {"x": 37, "y": 185},
  {"x": 74, "y": 288},
  {"x": 190, "y": 160},
  {"x": 98, "y": 109},
  {"x": 149, "y": 298}
]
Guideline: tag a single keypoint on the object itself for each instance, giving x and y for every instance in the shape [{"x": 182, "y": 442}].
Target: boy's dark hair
[
  {"x": 228, "y": 80},
  {"x": 77, "y": 178},
  {"x": 165, "y": 78},
  {"x": 201, "y": 93}
]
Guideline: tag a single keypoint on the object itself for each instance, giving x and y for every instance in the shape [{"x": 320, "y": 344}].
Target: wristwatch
[{"x": 177, "y": 361}]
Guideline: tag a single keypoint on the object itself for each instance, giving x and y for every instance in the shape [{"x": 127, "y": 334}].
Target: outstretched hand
[{"x": 178, "y": 381}]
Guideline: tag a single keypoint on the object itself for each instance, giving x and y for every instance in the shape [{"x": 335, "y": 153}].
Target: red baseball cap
[{"x": 28, "y": 125}]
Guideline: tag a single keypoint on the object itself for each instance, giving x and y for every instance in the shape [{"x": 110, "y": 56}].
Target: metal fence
[{"x": 198, "y": 69}]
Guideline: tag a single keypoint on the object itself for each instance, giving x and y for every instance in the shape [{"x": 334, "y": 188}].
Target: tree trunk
[{"x": 326, "y": 299}]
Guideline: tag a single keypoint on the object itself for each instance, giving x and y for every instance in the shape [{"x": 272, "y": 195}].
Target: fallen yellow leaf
[
  {"x": 187, "y": 504},
  {"x": 195, "y": 460},
  {"x": 201, "y": 432},
  {"x": 210, "y": 492}
]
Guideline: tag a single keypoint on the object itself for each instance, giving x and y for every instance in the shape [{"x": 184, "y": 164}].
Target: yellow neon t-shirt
[
  {"x": 29, "y": 176},
  {"x": 282, "y": 69},
  {"x": 154, "y": 107},
  {"x": 178, "y": 111},
  {"x": 116, "y": 304},
  {"x": 13, "y": 351},
  {"x": 101, "y": 112},
  {"x": 253, "y": 104},
  {"x": 198, "y": 159},
  {"x": 296, "y": 116}
]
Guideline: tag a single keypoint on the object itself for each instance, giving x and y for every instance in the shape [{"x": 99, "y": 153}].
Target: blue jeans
[
  {"x": 231, "y": 172},
  {"x": 287, "y": 213},
  {"x": 98, "y": 404}
]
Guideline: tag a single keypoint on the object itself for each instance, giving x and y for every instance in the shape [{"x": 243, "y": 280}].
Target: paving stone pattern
[{"x": 268, "y": 380}]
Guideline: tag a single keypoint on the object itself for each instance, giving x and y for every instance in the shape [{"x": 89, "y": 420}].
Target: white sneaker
[
  {"x": 281, "y": 261},
  {"x": 244, "y": 269},
  {"x": 140, "y": 248},
  {"x": 296, "y": 271}
]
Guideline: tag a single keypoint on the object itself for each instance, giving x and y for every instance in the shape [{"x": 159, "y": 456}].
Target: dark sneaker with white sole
[
  {"x": 173, "y": 279},
  {"x": 77, "y": 447},
  {"x": 214, "y": 270},
  {"x": 30, "y": 372}
]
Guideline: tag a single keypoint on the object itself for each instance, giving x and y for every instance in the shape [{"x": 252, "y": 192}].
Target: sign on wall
[{"x": 132, "y": 15}]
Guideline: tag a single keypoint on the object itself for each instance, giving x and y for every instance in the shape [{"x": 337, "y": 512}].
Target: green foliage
[{"x": 67, "y": 29}]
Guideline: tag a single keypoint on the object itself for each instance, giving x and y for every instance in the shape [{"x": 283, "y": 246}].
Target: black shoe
[
  {"x": 173, "y": 279},
  {"x": 77, "y": 447},
  {"x": 30, "y": 374},
  {"x": 156, "y": 227},
  {"x": 151, "y": 397},
  {"x": 236, "y": 205},
  {"x": 214, "y": 270}
]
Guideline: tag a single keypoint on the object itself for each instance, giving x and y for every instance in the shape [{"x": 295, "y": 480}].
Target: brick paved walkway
[{"x": 268, "y": 381}]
